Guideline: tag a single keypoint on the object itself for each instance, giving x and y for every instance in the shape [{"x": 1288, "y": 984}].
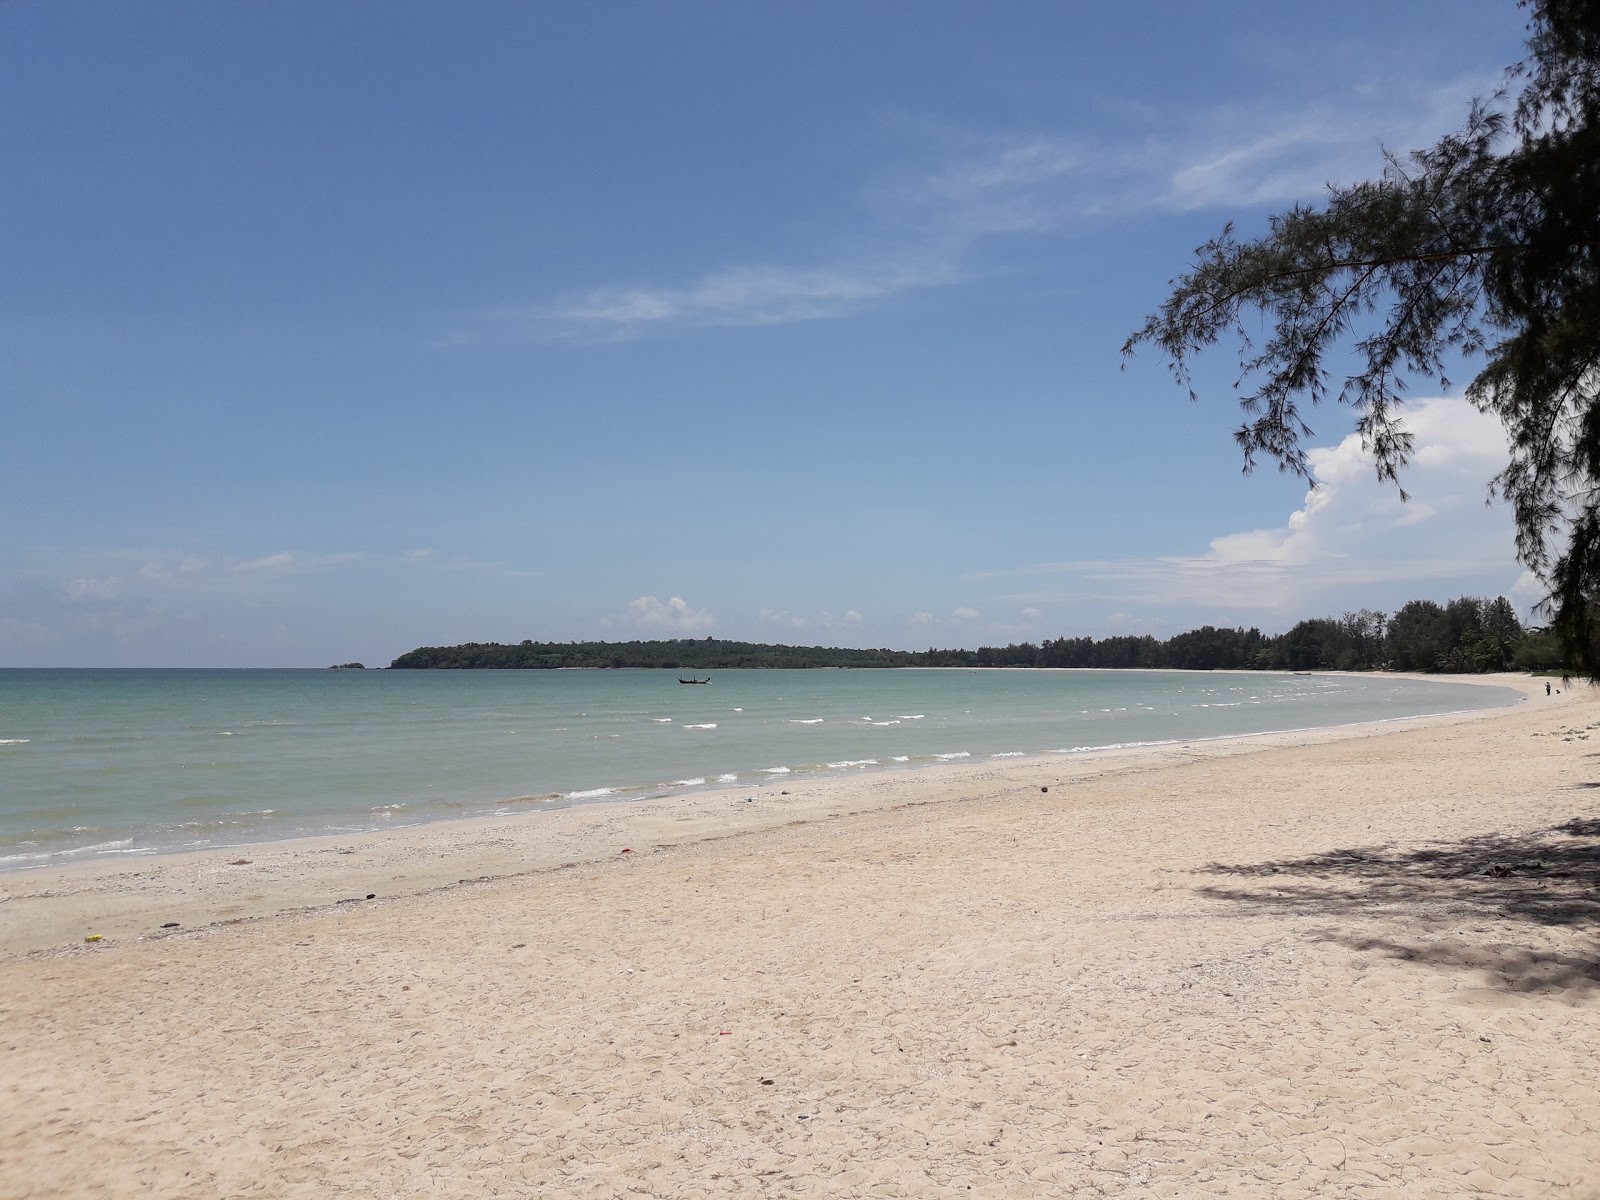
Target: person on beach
[{"x": 1546, "y": 687}]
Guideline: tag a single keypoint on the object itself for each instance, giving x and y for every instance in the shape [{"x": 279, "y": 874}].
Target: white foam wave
[
  {"x": 121, "y": 846},
  {"x": 957, "y": 754},
  {"x": 662, "y": 720},
  {"x": 775, "y": 770},
  {"x": 15, "y": 741},
  {"x": 880, "y": 724},
  {"x": 808, "y": 721},
  {"x": 729, "y": 778},
  {"x": 1009, "y": 754},
  {"x": 591, "y": 794},
  {"x": 709, "y": 725},
  {"x": 912, "y": 716},
  {"x": 1123, "y": 745},
  {"x": 695, "y": 782},
  {"x": 901, "y": 758},
  {"x": 854, "y": 762}
]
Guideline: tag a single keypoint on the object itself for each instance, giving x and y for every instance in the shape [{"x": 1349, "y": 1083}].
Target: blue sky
[{"x": 332, "y": 329}]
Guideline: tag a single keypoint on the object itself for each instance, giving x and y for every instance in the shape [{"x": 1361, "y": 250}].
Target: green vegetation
[
  {"x": 1484, "y": 244},
  {"x": 1467, "y": 635},
  {"x": 682, "y": 654}
]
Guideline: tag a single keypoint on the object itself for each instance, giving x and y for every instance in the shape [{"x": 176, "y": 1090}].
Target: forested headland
[{"x": 1467, "y": 635}]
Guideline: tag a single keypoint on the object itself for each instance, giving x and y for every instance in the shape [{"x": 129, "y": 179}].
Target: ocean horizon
[{"x": 97, "y": 763}]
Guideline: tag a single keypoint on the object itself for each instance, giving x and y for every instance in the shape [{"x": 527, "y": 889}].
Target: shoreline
[
  {"x": 50, "y": 907},
  {"x": 122, "y": 844},
  {"x": 1356, "y": 961}
]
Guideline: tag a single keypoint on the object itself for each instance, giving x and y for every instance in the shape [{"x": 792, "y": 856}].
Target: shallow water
[{"x": 104, "y": 762}]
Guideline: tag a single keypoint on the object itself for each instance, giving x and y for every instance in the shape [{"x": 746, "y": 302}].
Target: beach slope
[{"x": 1343, "y": 964}]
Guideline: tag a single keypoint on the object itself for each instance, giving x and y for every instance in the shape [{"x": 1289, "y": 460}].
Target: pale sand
[{"x": 932, "y": 984}]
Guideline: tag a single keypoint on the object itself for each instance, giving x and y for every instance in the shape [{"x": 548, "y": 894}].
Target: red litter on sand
[
  {"x": 725, "y": 1033},
  {"x": 627, "y": 851}
]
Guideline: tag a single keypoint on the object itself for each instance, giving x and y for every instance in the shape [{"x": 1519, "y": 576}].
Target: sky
[{"x": 331, "y": 329}]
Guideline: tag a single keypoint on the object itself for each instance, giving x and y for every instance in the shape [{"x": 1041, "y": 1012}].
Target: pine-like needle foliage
[{"x": 1484, "y": 244}]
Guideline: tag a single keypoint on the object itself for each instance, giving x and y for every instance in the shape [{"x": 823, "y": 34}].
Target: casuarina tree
[{"x": 1483, "y": 245}]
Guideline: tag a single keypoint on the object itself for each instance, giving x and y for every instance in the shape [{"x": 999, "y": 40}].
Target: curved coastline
[
  {"x": 269, "y": 801},
  {"x": 133, "y": 896}
]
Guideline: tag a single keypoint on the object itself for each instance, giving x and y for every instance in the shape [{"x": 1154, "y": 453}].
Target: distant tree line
[
  {"x": 687, "y": 654},
  {"x": 1468, "y": 635}
]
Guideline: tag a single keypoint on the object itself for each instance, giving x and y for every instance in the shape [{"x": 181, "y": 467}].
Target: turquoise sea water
[{"x": 110, "y": 762}]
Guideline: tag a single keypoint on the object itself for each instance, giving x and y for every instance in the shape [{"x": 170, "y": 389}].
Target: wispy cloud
[
  {"x": 929, "y": 219},
  {"x": 825, "y": 621},
  {"x": 1238, "y": 158},
  {"x": 764, "y": 294},
  {"x": 134, "y": 575},
  {"x": 982, "y": 187},
  {"x": 144, "y": 604},
  {"x": 297, "y": 562}
]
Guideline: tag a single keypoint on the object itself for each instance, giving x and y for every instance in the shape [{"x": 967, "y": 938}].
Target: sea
[{"x": 102, "y": 763}]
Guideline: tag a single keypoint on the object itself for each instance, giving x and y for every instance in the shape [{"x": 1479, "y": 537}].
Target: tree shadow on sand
[{"x": 1548, "y": 878}]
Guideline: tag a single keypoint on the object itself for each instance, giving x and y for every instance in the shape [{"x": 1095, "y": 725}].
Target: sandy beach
[{"x": 1342, "y": 963}]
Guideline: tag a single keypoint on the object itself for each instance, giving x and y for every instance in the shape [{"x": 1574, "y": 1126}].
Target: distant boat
[{"x": 681, "y": 679}]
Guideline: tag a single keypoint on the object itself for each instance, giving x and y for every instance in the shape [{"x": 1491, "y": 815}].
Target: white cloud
[
  {"x": 647, "y": 612},
  {"x": 966, "y": 614},
  {"x": 922, "y": 619},
  {"x": 824, "y": 620},
  {"x": 1030, "y": 614},
  {"x": 1350, "y": 541}
]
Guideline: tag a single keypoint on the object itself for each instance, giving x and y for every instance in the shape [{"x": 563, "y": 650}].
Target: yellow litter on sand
[{"x": 94, "y": 937}]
